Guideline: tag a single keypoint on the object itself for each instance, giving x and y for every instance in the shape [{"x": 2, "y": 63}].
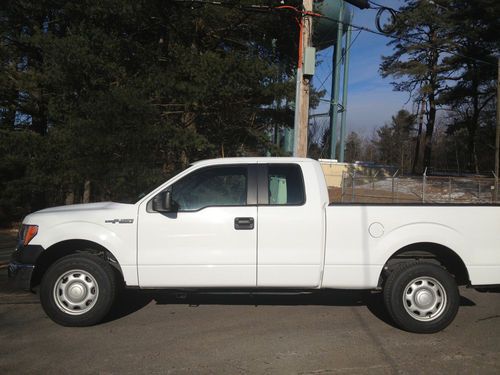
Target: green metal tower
[{"x": 332, "y": 28}]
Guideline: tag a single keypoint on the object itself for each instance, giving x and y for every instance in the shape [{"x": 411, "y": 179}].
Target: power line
[
  {"x": 229, "y": 4},
  {"x": 362, "y": 28},
  {"x": 388, "y": 35},
  {"x": 380, "y": 6},
  {"x": 266, "y": 8},
  {"x": 322, "y": 84}
]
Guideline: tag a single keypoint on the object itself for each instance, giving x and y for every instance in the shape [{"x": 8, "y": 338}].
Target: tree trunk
[
  {"x": 472, "y": 164},
  {"x": 39, "y": 120},
  {"x": 429, "y": 130},
  {"x": 419, "y": 136},
  {"x": 70, "y": 198},
  {"x": 86, "y": 192},
  {"x": 473, "y": 125},
  {"x": 432, "y": 88}
]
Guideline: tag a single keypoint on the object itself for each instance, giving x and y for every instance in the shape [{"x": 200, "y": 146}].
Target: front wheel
[
  {"x": 78, "y": 290},
  {"x": 421, "y": 297}
]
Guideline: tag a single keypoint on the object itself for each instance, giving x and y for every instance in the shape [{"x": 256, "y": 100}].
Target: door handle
[{"x": 242, "y": 223}]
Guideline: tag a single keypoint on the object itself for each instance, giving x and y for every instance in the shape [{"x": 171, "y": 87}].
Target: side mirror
[{"x": 163, "y": 202}]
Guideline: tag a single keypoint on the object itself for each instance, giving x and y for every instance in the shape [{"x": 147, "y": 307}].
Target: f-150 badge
[{"x": 120, "y": 221}]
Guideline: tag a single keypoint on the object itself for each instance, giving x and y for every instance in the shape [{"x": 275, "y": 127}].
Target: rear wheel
[
  {"x": 421, "y": 297},
  {"x": 78, "y": 290}
]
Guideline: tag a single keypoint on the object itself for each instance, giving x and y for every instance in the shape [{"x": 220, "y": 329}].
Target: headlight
[{"x": 27, "y": 233}]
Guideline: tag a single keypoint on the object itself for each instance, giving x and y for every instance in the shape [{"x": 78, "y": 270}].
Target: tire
[
  {"x": 78, "y": 290},
  {"x": 421, "y": 297}
]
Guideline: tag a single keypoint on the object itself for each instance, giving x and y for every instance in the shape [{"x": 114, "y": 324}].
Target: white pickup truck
[{"x": 251, "y": 224}]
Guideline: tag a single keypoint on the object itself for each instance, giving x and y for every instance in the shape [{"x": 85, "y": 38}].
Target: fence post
[
  {"x": 393, "y": 176},
  {"x": 496, "y": 187},
  {"x": 424, "y": 178},
  {"x": 353, "y": 185},
  {"x": 449, "y": 189},
  {"x": 373, "y": 180},
  {"x": 397, "y": 190},
  {"x": 392, "y": 189},
  {"x": 342, "y": 185}
]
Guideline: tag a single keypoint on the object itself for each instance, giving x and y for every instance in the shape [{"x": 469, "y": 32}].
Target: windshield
[{"x": 145, "y": 188}]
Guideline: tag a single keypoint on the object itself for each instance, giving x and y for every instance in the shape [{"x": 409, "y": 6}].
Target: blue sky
[{"x": 371, "y": 100}]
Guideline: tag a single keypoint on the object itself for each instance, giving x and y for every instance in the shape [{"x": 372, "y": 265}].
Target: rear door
[{"x": 290, "y": 228}]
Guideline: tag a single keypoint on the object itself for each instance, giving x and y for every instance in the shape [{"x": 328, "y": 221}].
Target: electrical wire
[
  {"x": 253, "y": 8},
  {"x": 377, "y": 5},
  {"x": 362, "y": 28},
  {"x": 387, "y": 31},
  {"x": 266, "y": 8},
  {"x": 322, "y": 84},
  {"x": 392, "y": 25}
]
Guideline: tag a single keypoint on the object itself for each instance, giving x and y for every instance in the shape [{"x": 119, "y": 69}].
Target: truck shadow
[{"x": 130, "y": 301}]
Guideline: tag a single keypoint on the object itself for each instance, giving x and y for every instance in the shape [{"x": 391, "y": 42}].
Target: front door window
[{"x": 215, "y": 186}]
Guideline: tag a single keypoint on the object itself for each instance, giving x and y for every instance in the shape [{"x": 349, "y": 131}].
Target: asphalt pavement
[
  {"x": 339, "y": 332},
  {"x": 331, "y": 333}
]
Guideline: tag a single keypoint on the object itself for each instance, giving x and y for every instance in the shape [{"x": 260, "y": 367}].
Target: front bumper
[
  {"x": 22, "y": 265},
  {"x": 20, "y": 275}
]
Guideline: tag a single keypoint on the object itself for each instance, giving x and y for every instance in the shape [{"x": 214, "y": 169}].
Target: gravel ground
[{"x": 338, "y": 332}]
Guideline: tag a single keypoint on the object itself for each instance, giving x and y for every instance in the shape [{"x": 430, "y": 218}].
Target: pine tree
[
  {"x": 475, "y": 38},
  {"x": 393, "y": 141},
  {"x": 118, "y": 94},
  {"x": 418, "y": 64}
]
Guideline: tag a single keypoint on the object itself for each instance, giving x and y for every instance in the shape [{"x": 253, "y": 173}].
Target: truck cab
[{"x": 235, "y": 224}]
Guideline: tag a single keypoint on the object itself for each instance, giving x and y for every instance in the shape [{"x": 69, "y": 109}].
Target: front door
[{"x": 211, "y": 238}]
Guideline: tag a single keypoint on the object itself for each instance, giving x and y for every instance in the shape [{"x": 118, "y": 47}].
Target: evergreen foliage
[
  {"x": 445, "y": 56},
  {"x": 100, "y": 100},
  {"x": 470, "y": 100},
  {"x": 419, "y": 59},
  {"x": 394, "y": 141}
]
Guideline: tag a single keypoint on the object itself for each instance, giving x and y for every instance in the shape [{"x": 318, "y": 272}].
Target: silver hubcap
[
  {"x": 424, "y": 299},
  {"x": 76, "y": 292}
]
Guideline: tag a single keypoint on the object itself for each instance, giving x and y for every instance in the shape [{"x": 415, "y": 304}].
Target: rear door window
[{"x": 285, "y": 185}]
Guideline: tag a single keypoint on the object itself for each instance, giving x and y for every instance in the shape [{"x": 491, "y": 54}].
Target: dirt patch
[{"x": 362, "y": 195}]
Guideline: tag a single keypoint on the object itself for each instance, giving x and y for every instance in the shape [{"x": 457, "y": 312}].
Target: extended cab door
[
  {"x": 291, "y": 226},
  {"x": 211, "y": 238}
]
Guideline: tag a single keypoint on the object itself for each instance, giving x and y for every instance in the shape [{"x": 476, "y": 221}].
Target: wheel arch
[
  {"x": 68, "y": 247},
  {"x": 431, "y": 252}
]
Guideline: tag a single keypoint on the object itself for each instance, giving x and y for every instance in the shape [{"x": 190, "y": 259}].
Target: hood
[
  {"x": 89, "y": 212},
  {"x": 85, "y": 207}
]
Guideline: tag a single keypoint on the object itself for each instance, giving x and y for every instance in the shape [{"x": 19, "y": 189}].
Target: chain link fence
[{"x": 379, "y": 186}]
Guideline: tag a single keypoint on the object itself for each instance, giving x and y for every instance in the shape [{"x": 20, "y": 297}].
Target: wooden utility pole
[
  {"x": 416, "y": 157},
  {"x": 303, "y": 86},
  {"x": 497, "y": 140}
]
